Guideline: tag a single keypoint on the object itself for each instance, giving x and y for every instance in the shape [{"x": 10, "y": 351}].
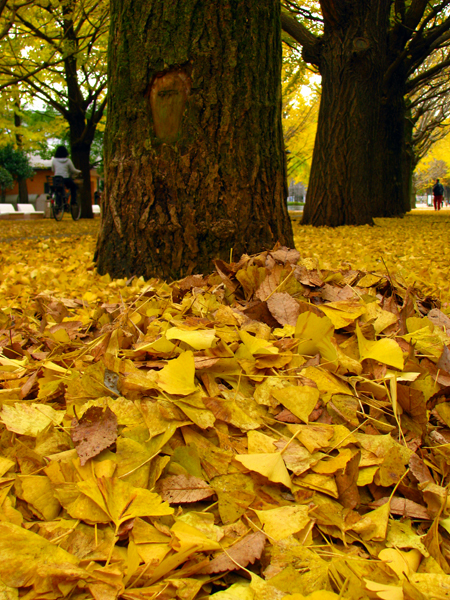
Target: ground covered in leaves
[{"x": 278, "y": 429}]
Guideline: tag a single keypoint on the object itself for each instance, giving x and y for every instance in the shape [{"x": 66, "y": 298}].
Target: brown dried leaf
[
  {"x": 413, "y": 402},
  {"x": 419, "y": 469},
  {"x": 204, "y": 362},
  {"x": 284, "y": 308},
  {"x": 432, "y": 543},
  {"x": 406, "y": 312},
  {"x": 286, "y": 255},
  {"x": 183, "y": 489},
  {"x": 192, "y": 281},
  {"x": 26, "y": 388},
  {"x": 221, "y": 267},
  {"x": 285, "y": 416},
  {"x": 346, "y": 481},
  {"x": 438, "y": 375},
  {"x": 258, "y": 311},
  {"x": 437, "y": 317},
  {"x": 444, "y": 361},
  {"x": 331, "y": 293},
  {"x": 94, "y": 432},
  {"x": 306, "y": 277},
  {"x": 403, "y": 507},
  {"x": 270, "y": 283},
  {"x": 243, "y": 553}
]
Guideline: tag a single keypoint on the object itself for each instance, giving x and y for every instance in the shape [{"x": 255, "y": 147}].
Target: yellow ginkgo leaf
[
  {"x": 270, "y": 465},
  {"x": 383, "y": 591},
  {"x": 178, "y": 375},
  {"x": 300, "y": 400},
  {"x": 323, "y": 595},
  {"x": 373, "y": 526},
  {"x": 385, "y": 351},
  {"x": 312, "y": 331},
  {"x": 257, "y": 346},
  {"x": 402, "y": 563},
  {"x": 381, "y": 319},
  {"x": 264, "y": 590},
  {"x": 327, "y": 466},
  {"x": 237, "y": 591},
  {"x": 187, "y": 536},
  {"x": 200, "y": 339},
  {"x": 121, "y": 501},
  {"x": 281, "y": 522},
  {"x": 26, "y": 558},
  {"x": 5, "y": 465},
  {"x": 326, "y": 382},
  {"x": 342, "y": 314},
  {"x": 30, "y": 419},
  {"x": 259, "y": 443},
  {"x": 37, "y": 491}
]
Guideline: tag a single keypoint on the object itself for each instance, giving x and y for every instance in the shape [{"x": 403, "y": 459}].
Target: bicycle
[{"x": 61, "y": 200}]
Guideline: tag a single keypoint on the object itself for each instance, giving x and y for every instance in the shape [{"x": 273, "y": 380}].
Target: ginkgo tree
[
  {"x": 194, "y": 153},
  {"x": 367, "y": 53},
  {"x": 57, "y": 52}
]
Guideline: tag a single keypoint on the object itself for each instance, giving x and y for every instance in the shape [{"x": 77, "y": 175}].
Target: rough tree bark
[
  {"x": 346, "y": 154},
  {"x": 195, "y": 163}
]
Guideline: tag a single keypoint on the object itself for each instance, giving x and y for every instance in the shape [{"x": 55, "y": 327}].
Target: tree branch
[
  {"x": 426, "y": 75},
  {"x": 415, "y": 13},
  {"x": 302, "y": 35}
]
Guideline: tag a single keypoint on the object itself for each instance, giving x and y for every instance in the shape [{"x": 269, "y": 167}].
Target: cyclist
[{"x": 63, "y": 167}]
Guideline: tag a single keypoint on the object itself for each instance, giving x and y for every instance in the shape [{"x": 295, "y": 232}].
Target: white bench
[
  {"x": 7, "y": 211},
  {"x": 30, "y": 212}
]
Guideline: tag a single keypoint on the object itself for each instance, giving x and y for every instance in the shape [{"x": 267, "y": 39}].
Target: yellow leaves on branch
[{"x": 272, "y": 430}]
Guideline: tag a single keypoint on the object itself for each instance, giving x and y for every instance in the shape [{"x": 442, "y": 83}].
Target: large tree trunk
[
  {"x": 346, "y": 181},
  {"x": 81, "y": 135},
  {"x": 195, "y": 164},
  {"x": 394, "y": 136},
  {"x": 80, "y": 155},
  {"x": 409, "y": 163}
]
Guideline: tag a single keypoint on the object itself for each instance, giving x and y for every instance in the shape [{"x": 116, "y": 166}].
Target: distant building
[
  {"x": 36, "y": 185},
  {"x": 296, "y": 192}
]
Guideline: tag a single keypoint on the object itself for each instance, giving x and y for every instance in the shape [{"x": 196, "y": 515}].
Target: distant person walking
[
  {"x": 438, "y": 193},
  {"x": 63, "y": 167}
]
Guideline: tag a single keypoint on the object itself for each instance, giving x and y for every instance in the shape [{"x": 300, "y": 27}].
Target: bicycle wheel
[
  {"x": 75, "y": 209},
  {"x": 58, "y": 209}
]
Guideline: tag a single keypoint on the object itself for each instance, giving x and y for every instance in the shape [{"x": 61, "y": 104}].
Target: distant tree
[
  {"x": 299, "y": 114},
  {"x": 40, "y": 131},
  {"x": 370, "y": 55},
  {"x": 426, "y": 176},
  {"x": 6, "y": 182},
  {"x": 15, "y": 162}
]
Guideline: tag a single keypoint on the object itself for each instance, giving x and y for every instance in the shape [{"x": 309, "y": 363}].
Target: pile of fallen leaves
[{"x": 273, "y": 430}]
